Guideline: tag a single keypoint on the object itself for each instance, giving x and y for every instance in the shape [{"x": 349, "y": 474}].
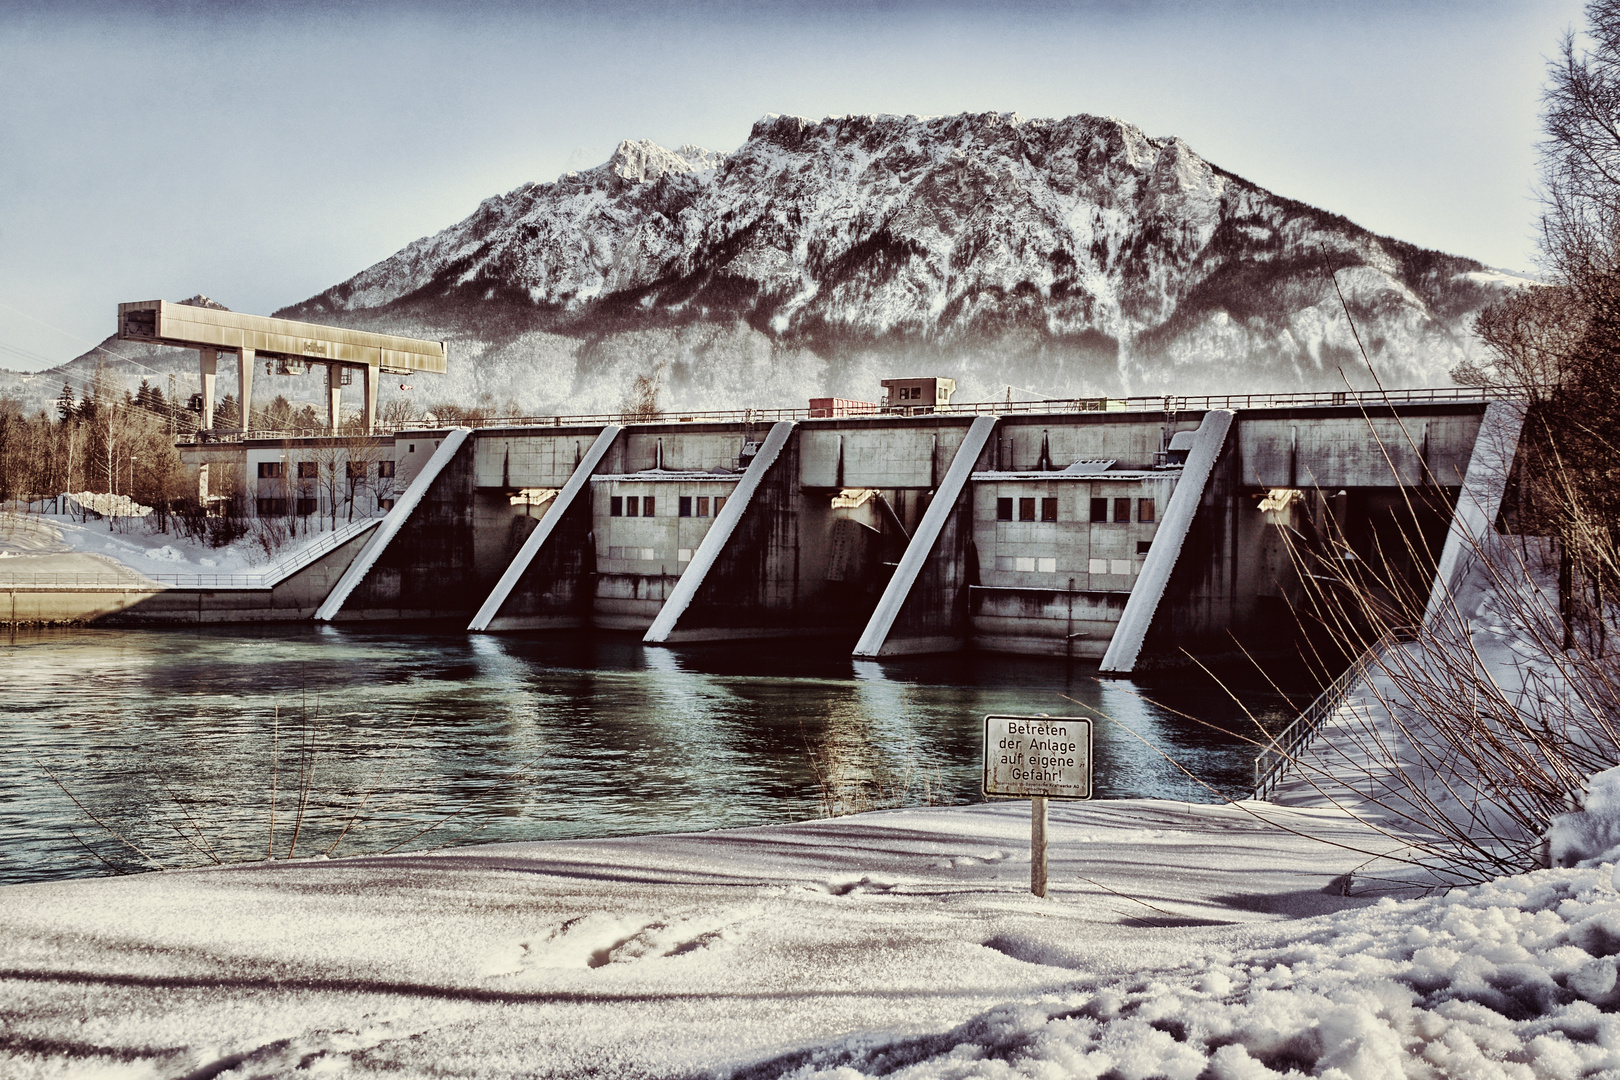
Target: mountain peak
[
  {"x": 204, "y": 302},
  {"x": 641, "y": 161}
]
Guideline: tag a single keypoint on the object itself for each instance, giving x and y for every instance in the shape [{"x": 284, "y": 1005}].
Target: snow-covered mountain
[{"x": 1068, "y": 257}]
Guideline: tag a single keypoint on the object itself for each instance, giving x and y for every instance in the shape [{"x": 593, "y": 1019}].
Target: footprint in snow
[
  {"x": 599, "y": 940},
  {"x": 862, "y": 885}
]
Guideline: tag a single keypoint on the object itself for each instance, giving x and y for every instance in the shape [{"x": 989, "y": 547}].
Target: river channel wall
[{"x": 1050, "y": 521}]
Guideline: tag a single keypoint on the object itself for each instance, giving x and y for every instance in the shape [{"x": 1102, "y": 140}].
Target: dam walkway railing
[
  {"x": 1143, "y": 404},
  {"x": 1271, "y": 764}
]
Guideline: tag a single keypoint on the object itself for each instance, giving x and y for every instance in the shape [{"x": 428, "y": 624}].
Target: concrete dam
[{"x": 1087, "y": 530}]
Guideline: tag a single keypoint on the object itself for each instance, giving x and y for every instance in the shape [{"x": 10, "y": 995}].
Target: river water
[{"x": 129, "y": 750}]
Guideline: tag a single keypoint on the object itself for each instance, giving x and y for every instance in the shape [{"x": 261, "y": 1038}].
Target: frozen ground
[
  {"x": 1178, "y": 941},
  {"x": 658, "y": 956}
]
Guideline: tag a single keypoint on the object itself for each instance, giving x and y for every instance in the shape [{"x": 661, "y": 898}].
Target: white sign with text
[{"x": 1037, "y": 756}]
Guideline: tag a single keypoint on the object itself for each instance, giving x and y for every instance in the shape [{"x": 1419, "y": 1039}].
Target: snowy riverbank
[
  {"x": 1191, "y": 942},
  {"x": 1172, "y": 945},
  {"x": 65, "y": 544}
]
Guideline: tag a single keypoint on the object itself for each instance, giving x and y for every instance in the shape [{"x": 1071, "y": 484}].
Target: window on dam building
[
  {"x": 1026, "y": 564},
  {"x": 1026, "y": 509},
  {"x": 694, "y": 506},
  {"x": 1116, "y": 510},
  {"x": 631, "y": 506}
]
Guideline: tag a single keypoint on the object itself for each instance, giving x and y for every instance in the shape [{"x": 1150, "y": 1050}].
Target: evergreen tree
[{"x": 65, "y": 409}]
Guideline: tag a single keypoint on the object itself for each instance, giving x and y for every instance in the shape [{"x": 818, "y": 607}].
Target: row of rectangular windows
[
  {"x": 309, "y": 470},
  {"x": 1036, "y": 565},
  {"x": 647, "y": 554},
  {"x": 646, "y": 505},
  {"x": 302, "y": 507},
  {"x": 1099, "y": 509}
]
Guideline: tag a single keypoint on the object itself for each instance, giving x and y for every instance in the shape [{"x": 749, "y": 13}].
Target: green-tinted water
[{"x": 175, "y": 744}]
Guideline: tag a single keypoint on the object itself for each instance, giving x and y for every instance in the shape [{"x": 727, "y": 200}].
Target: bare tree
[
  {"x": 1533, "y": 336},
  {"x": 641, "y": 399},
  {"x": 397, "y": 413},
  {"x": 329, "y": 459},
  {"x": 1558, "y": 345},
  {"x": 361, "y": 454},
  {"x": 1580, "y": 158}
]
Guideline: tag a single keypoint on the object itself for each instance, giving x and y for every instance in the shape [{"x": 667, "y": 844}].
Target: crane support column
[
  {"x": 208, "y": 360},
  {"x": 369, "y": 407},
  {"x": 334, "y": 395},
  {"x": 244, "y": 385}
]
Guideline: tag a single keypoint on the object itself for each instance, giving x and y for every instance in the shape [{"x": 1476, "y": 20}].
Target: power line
[
  {"x": 25, "y": 354},
  {"x": 94, "y": 346}
]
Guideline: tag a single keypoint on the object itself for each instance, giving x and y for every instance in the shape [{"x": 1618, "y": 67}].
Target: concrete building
[{"x": 915, "y": 396}]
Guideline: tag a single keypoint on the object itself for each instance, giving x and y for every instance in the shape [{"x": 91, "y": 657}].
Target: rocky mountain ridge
[
  {"x": 1062, "y": 257},
  {"x": 1069, "y": 256}
]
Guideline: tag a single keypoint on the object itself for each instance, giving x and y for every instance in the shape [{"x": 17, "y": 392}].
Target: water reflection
[{"x": 189, "y": 746}]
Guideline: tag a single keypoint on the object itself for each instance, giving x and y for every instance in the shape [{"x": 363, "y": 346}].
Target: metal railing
[
  {"x": 133, "y": 581},
  {"x": 327, "y": 542},
  {"x": 1143, "y": 404},
  {"x": 229, "y": 436},
  {"x": 1284, "y": 748}
]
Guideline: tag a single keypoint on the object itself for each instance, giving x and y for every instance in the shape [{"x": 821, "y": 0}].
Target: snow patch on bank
[
  {"x": 1513, "y": 979},
  {"x": 135, "y": 543}
]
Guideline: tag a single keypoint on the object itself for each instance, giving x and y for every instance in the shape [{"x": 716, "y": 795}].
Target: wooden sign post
[{"x": 1038, "y": 758}]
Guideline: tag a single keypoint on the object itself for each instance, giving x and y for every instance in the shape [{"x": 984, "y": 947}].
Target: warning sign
[{"x": 1045, "y": 756}]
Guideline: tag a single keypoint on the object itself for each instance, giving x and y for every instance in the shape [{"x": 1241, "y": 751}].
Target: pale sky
[{"x": 261, "y": 152}]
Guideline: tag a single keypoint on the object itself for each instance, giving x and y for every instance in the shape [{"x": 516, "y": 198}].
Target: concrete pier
[
  {"x": 727, "y": 587},
  {"x": 1163, "y": 553},
  {"x": 550, "y": 583},
  {"x": 414, "y": 565},
  {"x": 924, "y": 607}
]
